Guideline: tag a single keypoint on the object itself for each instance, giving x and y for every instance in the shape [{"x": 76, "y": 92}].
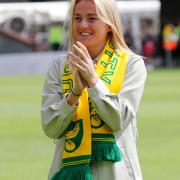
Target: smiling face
[{"x": 88, "y": 28}]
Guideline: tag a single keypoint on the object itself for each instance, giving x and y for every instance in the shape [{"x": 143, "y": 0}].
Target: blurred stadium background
[{"x": 32, "y": 35}]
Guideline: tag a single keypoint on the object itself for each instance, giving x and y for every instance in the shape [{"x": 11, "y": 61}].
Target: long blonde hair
[{"x": 107, "y": 11}]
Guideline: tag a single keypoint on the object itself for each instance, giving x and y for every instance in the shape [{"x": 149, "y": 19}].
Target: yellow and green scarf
[{"x": 88, "y": 139}]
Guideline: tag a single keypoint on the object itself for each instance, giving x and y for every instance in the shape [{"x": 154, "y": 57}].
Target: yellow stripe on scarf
[
  {"x": 82, "y": 114},
  {"x": 111, "y": 69}
]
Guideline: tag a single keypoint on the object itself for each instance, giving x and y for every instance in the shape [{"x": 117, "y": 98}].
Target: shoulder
[
  {"x": 60, "y": 60},
  {"x": 58, "y": 63},
  {"x": 56, "y": 67},
  {"x": 136, "y": 67},
  {"x": 135, "y": 59}
]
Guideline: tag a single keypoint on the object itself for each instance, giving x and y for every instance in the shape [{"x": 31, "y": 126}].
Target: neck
[{"x": 94, "y": 52}]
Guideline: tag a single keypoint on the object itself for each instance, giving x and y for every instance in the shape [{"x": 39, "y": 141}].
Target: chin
[{"x": 85, "y": 43}]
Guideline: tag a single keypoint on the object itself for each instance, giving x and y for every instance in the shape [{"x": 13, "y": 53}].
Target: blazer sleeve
[
  {"x": 56, "y": 113},
  {"x": 118, "y": 110}
]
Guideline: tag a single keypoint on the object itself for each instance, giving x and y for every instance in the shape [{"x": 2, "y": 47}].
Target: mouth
[{"x": 85, "y": 34}]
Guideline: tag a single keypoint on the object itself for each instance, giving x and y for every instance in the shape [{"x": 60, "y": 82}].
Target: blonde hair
[{"x": 107, "y": 11}]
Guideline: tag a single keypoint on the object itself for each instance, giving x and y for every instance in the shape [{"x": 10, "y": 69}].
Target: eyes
[{"x": 90, "y": 19}]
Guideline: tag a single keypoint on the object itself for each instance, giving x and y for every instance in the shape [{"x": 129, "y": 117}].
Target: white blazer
[{"x": 118, "y": 111}]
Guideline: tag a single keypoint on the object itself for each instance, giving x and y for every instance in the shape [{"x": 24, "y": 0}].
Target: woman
[{"x": 91, "y": 96}]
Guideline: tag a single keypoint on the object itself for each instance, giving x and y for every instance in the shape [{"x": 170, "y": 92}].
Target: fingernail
[{"x": 74, "y": 46}]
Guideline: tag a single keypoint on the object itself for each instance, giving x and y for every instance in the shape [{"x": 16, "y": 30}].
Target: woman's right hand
[{"x": 79, "y": 83}]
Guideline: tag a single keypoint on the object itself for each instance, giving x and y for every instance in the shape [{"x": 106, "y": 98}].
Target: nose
[{"x": 84, "y": 23}]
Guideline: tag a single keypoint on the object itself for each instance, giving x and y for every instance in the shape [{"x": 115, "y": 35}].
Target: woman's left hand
[{"x": 84, "y": 64}]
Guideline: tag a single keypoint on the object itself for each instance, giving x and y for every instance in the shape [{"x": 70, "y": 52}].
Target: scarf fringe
[
  {"x": 102, "y": 151},
  {"x": 73, "y": 173}
]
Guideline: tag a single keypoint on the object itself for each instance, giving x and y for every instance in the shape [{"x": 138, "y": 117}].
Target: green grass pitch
[{"x": 26, "y": 153}]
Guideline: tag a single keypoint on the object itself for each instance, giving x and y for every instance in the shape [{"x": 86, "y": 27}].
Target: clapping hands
[{"x": 83, "y": 67}]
